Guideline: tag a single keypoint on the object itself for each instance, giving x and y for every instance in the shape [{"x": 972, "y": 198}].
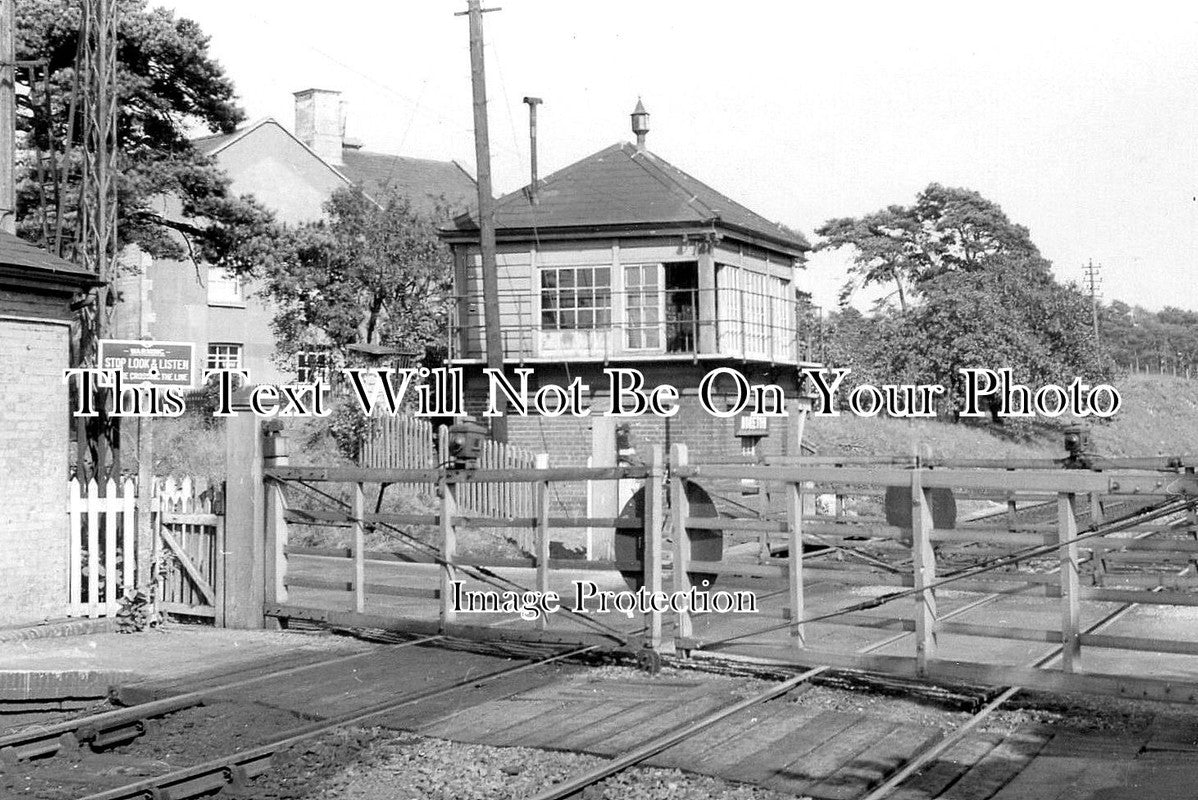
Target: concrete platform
[{"x": 86, "y": 666}]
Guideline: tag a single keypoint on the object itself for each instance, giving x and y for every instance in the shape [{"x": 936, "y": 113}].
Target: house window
[
  {"x": 224, "y": 356},
  {"x": 225, "y": 288},
  {"x": 575, "y": 298},
  {"x": 314, "y": 364},
  {"x": 642, "y": 284}
]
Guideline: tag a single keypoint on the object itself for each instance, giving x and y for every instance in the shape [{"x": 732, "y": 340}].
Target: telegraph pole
[
  {"x": 1094, "y": 279},
  {"x": 8, "y": 118},
  {"x": 486, "y": 204}
]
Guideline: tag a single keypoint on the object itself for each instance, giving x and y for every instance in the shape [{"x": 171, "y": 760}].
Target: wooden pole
[
  {"x": 1070, "y": 602},
  {"x": 245, "y": 551},
  {"x": 359, "y": 509},
  {"x": 542, "y": 544},
  {"x": 924, "y": 566},
  {"x": 680, "y": 509},
  {"x": 448, "y": 539},
  {"x": 276, "y": 537},
  {"x": 654, "y": 519},
  {"x": 794, "y": 517},
  {"x": 486, "y": 205}
]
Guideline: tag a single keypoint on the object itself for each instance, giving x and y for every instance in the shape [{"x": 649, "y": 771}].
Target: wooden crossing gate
[{"x": 109, "y": 552}]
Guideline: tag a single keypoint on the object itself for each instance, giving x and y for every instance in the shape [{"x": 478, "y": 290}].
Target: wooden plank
[
  {"x": 680, "y": 514},
  {"x": 924, "y": 570},
  {"x": 582, "y": 725},
  {"x": 753, "y": 731},
  {"x": 188, "y": 608},
  {"x": 128, "y": 546},
  {"x": 448, "y": 541},
  {"x": 1006, "y": 760},
  {"x": 1070, "y": 601},
  {"x": 685, "y": 754},
  {"x": 111, "y": 578},
  {"x": 794, "y": 562},
  {"x": 358, "y": 509},
  {"x": 542, "y": 536},
  {"x": 197, "y": 579},
  {"x": 358, "y": 474},
  {"x": 878, "y": 762},
  {"x": 805, "y": 773},
  {"x": 933, "y": 780},
  {"x": 93, "y": 549},
  {"x": 461, "y": 705},
  {"x": 654, "y": 521},
  {"x": 762, "y": 767},
  {"x": 385, "y": 589}
]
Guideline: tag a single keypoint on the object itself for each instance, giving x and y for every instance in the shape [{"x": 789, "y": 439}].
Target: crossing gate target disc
[{"x": 706, "y": 545}]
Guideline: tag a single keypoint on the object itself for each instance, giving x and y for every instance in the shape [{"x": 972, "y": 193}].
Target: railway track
[
  {"x": 33, "y": 751},
  {"x": 576, "y": 786}
]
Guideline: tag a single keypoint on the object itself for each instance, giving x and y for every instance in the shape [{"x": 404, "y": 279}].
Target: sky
[{"x": 1080, "y": 120}]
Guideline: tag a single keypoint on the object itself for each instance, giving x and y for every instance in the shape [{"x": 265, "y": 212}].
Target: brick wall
[{"x": 33, "y": 470}]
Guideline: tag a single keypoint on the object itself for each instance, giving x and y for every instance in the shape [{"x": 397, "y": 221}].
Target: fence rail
[{"x": 1077, "y": 548}]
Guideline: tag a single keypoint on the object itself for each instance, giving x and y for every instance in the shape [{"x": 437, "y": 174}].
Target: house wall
[
  {"x": 34, "y": 438},
  {"x": 168, "y": 300},
  {"x": 570, "y": 440}
]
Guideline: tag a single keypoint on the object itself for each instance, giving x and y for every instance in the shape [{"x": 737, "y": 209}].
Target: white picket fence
[{"x": 102, "y": 559}]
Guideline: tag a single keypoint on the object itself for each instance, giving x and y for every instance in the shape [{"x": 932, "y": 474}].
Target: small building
[
  {"x": 624, "y": 260},
  {"x": 293, "y": 173},
  {"x": 36, "y": 292}
]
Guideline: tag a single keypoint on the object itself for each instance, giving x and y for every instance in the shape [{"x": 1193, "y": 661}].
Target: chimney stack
[
  {"x": 640, "y": 123},
  {"x": 320, "y": 122},
  {"x": 532, "y": 102}
]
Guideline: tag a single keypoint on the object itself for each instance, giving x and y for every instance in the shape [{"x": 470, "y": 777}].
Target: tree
[
  {"x": 167, "y": 85},
  {"x": 978, "y": 294},
  {"x": 945, "y": 230},
  {"x": 372, "y": 273}
]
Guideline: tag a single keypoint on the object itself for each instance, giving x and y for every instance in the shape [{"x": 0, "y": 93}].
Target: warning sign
[{"x": 158, "y": 363}]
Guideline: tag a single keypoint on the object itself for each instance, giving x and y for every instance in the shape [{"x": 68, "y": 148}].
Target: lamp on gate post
[{"x": 465, "y": 444}]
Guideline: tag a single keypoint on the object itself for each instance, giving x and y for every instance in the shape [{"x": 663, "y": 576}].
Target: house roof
[
  {"x": 20, "y": 258},
  {"x": 623, "y": 186},
  {"x": 423, "y": 181}
]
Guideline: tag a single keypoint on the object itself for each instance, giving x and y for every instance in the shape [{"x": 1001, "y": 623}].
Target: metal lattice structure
[{"x": 97, "y": 241}]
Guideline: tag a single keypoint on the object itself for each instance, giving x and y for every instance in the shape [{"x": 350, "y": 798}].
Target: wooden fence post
[
  {"x": 448, "y": 539},
  {"x": 1070, "y": 606},
  {"x": 93, "y": 549},
  {"x": 359, "y": 509},
  {"x": 542, "y": 543},
  {"x": 245, "y": 540},
  {"x": 794, "y": 518},
  {"x": 924, "y": 567},
  {"x": 680, "y": 510},
  {"x": 654, "y": 518},
  {"x": 276, "y": 539}
]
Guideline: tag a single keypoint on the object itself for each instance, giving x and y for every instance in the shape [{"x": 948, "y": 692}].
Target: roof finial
[{"x": 640, "y": 123}]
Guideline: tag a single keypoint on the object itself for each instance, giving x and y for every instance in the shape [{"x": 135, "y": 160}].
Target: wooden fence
[
  {"x": 405, "y": 442},
  {"x": 102, "y": 551},
  {"x": 1155, "y": 504},
  {"x": 947, "y": 598},
  {"x": 189, "y": 538}
]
